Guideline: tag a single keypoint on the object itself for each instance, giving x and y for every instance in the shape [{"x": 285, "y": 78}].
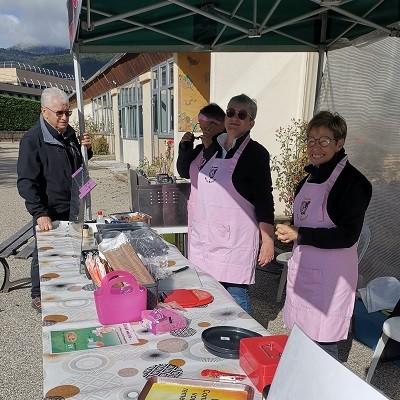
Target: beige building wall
[
  {"x": 8, "y": 75},
  {"x": 282, "y": 83}
]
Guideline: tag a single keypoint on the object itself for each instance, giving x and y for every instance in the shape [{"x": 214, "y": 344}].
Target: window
[
  {"x": 130, "y": 100},
  {"x": 102, "y": 112},
  {"x": 163, "y": 99}
]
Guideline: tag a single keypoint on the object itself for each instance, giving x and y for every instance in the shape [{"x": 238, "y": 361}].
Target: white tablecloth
[{"x": 120, "y": 372}]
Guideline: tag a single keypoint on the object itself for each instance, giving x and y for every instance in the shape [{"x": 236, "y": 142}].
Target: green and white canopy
[{"x": 228, "y": 25}]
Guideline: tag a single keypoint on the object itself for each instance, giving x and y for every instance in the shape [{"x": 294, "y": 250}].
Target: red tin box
[{"x": 259, "y": 358}]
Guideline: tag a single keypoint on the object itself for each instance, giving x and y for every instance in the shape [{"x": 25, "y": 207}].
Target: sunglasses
[
  {"x": 241, "y": 114},
  {"x": 59, "y": 114}
]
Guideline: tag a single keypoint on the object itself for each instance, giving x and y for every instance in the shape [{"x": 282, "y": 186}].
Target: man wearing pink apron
[
  {"x": 224, "y": 230},
  {"x": 328, "y": 214}
]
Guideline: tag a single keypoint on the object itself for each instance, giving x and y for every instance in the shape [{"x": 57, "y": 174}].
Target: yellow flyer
[{"x": 167, "y": 391}]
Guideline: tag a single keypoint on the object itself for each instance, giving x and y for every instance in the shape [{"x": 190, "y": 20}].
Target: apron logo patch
[
  {"x": 303, "y": 208},
  {"x": 211, "y": 174},
  {"x": 203, "y": 162}
]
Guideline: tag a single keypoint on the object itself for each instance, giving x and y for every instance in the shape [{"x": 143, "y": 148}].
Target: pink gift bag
[{"x": 115, "y": 303}]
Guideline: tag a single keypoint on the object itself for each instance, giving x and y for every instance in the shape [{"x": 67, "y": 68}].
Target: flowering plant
[
  {"x": 290, "y": 163},
  {"x": 163, "y": 164}
]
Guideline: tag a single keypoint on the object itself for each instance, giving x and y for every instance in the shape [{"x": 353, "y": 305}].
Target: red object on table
[
  {"x": 259, "y": 358},
  {"x": 188, "y": 298}
]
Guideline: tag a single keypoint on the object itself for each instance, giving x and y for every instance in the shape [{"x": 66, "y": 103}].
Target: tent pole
[
  {"x": 320, "y": 70},
  {"x": 321, "y": 57},
  {"x": 81, "y": 118}
]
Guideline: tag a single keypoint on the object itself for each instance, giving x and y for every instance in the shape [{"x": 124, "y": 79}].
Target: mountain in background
[{"x": 55, "y": 58}]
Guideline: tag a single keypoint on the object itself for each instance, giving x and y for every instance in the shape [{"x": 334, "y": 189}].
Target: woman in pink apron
[
  {"x": 234, "y": 206},
  {"x": 328, "y": 214},
  {"x": 190, "y": 160}
]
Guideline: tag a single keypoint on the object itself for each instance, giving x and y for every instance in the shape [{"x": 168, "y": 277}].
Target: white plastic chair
[
  {"x": 363, "y": 243},
  {"x": 390, "y": 330}
]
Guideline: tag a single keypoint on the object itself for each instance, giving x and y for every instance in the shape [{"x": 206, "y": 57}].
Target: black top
[
  {"x": 45, "y": 166},
  {"x": 251, "y": 177},
  {"x": 347, "y": 203}
]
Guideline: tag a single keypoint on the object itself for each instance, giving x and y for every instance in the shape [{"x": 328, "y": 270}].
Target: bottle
[
  {"x": 85, "y": 231},
  {"x": 100, "y": 217}
]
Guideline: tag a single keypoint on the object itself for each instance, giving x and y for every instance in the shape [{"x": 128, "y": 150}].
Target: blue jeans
[{"x": 240, "y": 293}]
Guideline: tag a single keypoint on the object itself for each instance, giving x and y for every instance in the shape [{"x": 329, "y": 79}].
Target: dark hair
[
  {"x": 244, "y": 99},
  {"x": 333, "y": 121},
  {"x": 213, "y": 110}
]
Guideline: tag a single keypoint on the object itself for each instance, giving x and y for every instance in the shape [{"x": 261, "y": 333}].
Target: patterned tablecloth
[{"x": 120, "y": 372}]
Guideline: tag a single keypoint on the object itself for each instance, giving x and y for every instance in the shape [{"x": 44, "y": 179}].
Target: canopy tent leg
[
  {"x": 81, "y": 118},
  {"x": 321, "y": 57}
]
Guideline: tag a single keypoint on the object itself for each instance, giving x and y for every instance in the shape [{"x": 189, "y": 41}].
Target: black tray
[{"x": 224, "y": 341}]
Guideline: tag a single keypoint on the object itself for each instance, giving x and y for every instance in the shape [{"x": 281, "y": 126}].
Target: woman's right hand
[
  {"x": 188, "y": 137},
  {"x": 286, "y": 233}
]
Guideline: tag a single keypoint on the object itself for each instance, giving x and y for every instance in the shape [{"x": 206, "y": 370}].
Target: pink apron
[
  {"x": 223, "y": 231},
  {"x": 194, "y": 169},
  {"x": 321, "y": 283}
]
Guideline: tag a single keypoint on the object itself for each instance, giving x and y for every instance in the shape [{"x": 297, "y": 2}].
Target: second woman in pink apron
[
  {"x": 231, "y": 227},
  {"x": 328, "y": 214}
]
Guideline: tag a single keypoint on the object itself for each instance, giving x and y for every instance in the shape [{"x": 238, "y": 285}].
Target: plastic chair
[
  {"x": 363, "y": 243},
  {"x": 283, "y": 259},
  {"x": 390, "y": 330}
]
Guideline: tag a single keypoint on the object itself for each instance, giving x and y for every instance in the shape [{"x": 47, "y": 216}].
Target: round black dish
[{"x": 223, "y": 341}]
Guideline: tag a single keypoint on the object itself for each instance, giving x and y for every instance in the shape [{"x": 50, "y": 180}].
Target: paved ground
[{"x": 20, "y": 327}]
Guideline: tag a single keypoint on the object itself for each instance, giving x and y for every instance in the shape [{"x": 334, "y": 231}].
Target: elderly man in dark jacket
[{"x": 49, "y": 154}]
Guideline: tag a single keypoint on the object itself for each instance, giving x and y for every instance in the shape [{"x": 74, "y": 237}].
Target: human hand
[
  {"x": 286, "y": 233},
  {"x": 187, "y": 137},
  {"x": 85, "y": 140},
  {"x": 44, "y": 223},
  {"x": 267, "y": 252}
]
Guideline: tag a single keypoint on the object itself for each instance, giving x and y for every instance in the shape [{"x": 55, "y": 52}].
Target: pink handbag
[{"x": 116, "y": 305}]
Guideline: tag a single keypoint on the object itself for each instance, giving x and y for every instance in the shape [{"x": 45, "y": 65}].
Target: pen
[{"x": 181, "y": 269}]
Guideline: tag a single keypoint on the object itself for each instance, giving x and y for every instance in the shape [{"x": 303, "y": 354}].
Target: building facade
[
  {"x": 144, "y": 101},
  {"x": 23, "y": 80}
]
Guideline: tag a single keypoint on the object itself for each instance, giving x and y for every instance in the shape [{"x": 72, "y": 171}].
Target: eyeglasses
[
  {"x": 241, "y": 114},
  {"x": 59, "y": 114},
  {"x": 323, "y": 141}
]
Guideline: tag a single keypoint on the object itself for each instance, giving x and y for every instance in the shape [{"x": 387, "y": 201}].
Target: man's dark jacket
[{"x": 46, "y": 163}]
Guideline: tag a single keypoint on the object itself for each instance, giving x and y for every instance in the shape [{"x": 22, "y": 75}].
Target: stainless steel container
[{"x": 166, "y": 203}]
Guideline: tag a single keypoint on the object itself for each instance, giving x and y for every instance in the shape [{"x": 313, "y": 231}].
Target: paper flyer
[
  {"x": 165, "y": 391},
  {"x": 92, "y": 338}
]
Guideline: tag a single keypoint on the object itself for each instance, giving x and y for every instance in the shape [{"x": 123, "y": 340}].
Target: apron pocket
[{"x": 308, "y": 288}]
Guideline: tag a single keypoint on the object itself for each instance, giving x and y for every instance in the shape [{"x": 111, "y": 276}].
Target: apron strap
[
  {"x": 239, "y": 151},
  {"x": 336, "y": 172}
]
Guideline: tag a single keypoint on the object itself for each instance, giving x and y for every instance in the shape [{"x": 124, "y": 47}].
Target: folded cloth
[{"x": 381, "y": 293}]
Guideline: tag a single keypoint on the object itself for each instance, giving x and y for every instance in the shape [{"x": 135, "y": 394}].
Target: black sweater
[
  {"x": 347, "y": 203},
  {"x": 251, "y": 177}
]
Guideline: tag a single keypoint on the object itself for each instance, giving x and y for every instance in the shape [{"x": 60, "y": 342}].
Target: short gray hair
[
  {"x": 244, "y": 99},
  {"x": 49, "y": 94}
]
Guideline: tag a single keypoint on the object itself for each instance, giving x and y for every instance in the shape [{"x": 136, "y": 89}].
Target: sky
[{"x": 33, "y": 22}]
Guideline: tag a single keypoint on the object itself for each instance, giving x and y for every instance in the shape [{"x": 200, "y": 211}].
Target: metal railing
[{"x": 33, "y": 68}]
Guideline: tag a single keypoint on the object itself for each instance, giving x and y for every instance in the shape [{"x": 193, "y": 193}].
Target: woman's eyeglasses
[
  {"x": 241, "y": 114},
  {"x": 323, "y": 141},
  {"x": 59, "y": 114}
]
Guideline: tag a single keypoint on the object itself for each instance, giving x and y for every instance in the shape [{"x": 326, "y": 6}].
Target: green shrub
[
  {"x": 99, "y": 145},
  {"x": 96, "y": 133},
  {"x": 18, "y": 114},
  {"x": 290, "y": 163}
]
